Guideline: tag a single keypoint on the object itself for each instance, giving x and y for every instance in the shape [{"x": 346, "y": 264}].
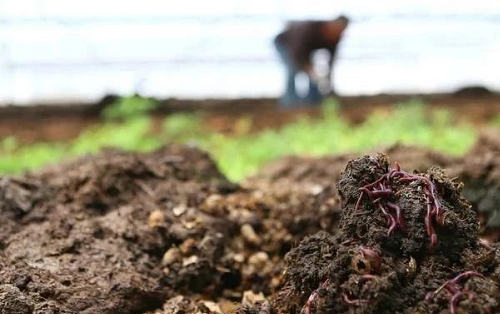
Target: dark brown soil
[
  {"x": 330, "y": 273},
  {"x": 480, "y": 171},
  {"x": 125, "y": 233},
  {"x": 165, "y": 232},
  {"x": 76, "y": 237}
]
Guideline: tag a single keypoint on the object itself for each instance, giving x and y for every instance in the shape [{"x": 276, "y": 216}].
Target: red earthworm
[
  {"x": 454, "y": 302},
  {"x": 346, "y": 299},
  {"x": 382, "y": 193},
  {"x": 453, "y": 289},
  {"x": 399, "y": 214},
  {"x": 466, "y": 275},
  {"x": 310, "y": 305},
  {"x": 368, "y": 277}
]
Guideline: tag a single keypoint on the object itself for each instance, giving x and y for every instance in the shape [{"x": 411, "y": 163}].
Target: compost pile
[
  {"x": 407, "y": 243},
  {"x": 165, "y": 232},
  {"x": 131, "y": 233}
]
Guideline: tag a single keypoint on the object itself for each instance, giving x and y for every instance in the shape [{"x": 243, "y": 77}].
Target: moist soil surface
[{"x": 165, "y": 232}]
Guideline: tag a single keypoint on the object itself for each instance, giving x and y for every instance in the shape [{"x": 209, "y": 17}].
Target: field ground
[
  {"x": 243, "y": 135},
  {"x": 65, "y": 121}
]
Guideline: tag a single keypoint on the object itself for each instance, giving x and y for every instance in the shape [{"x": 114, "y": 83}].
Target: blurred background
[
  {"x": 53, "y": 50},
  {"x": 80, "y": 76}
]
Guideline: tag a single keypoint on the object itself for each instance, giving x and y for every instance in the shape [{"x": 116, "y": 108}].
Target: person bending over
[{"x": 296, "y": 45}]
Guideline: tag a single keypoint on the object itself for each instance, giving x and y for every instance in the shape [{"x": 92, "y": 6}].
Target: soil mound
[
  {"x": 131, "y": 233},
  {"x": 406, "y": 243},
  {"x": 89, "y": 236}
]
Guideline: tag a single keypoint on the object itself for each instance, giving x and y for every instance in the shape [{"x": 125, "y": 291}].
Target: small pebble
[
  {"x": 212, "y": 306},
  {"x": 316, "y": 189},
  {"x": 412, "y": 267},
  {"x": 179, "y": 210},
  {"x": 251, "y": 299},
  {"x": 187, "y": 246},
  {"x": 248, "y": 233},
  {"x": 213, "y": 199},
  {"x": 189, "y": 224},
  {"x": 275, "y": 282},
  {"x": 171, "y": 256},
  {"x": 228, "y": 307},
  {"x": 156, "y": 219},
  {"x": 193, "y": 259},
  {"x": 258, "y": 260},
  {"x": 239, "y": 257}
]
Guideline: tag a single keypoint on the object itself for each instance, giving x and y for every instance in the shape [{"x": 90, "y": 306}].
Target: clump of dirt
[
  {"x": 18, "y": 197},
  {"x": 406, "y": 243}
]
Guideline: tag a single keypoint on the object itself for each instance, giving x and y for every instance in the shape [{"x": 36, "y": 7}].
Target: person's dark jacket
[{"x": 301, "y": 38}]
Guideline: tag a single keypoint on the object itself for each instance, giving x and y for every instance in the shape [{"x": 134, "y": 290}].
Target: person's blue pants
[{"x": 290, "y": 97}]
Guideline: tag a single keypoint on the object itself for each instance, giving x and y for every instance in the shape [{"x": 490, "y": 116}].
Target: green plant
[
  {"x": 182, "y": 125},
  {"x": 129, "y": 107}
]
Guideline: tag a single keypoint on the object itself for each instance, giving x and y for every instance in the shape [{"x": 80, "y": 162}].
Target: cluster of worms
[
  {"x": 454, "y": 290},
  {"x": 380, "y": 193}
]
